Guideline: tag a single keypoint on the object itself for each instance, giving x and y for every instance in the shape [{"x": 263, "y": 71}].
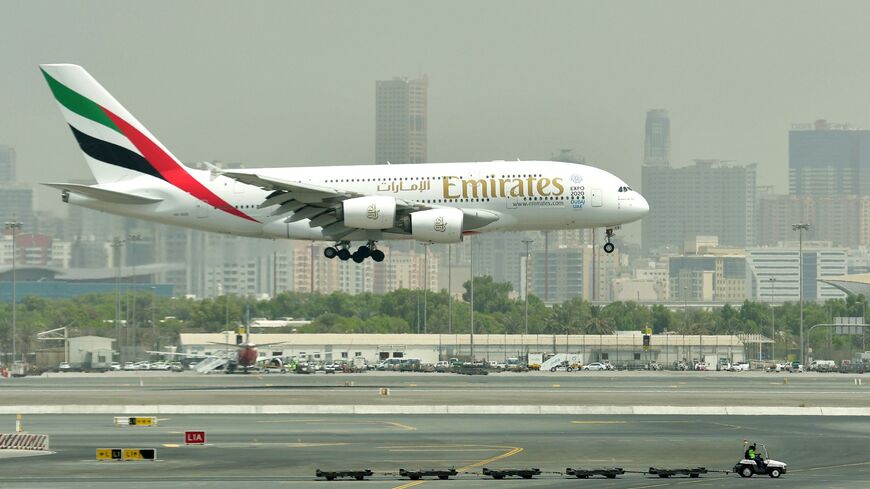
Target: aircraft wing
[{"x": 320, "y": 204}]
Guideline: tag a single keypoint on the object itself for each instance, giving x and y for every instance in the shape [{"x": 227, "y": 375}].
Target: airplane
[
  {"x": 247, "y": 355},
  {"x": 430, "y": 202}
]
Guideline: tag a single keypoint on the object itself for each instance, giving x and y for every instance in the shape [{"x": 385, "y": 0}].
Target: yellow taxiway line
[{"x": 511, "y": 451}]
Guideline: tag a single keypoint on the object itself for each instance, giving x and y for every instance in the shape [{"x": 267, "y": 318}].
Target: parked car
[
  {"x": 143, "y": 365},
  {"x": 129, "y": 366},
  {"x": 595, "y": 366},
  {"x": 159, "y": 366},
  {"x": 176, "y": 366},
  {"x": 115, "y": 366},
  {"x": 64, "y": 367}
]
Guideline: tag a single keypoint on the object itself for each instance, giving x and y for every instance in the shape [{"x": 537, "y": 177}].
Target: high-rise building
[
  {"x": 401, "y": 113},
  {"x": 657, "y": 138},
  {"x": 828, "y": 160},
  {"x": 7, "y": 164},
  {"x": 16, "y": 204},
  {"x": 842, "y": 221},
  {"x": 707, "y": 278},
  {"x": 709, "y": 198},
  {"x": 773, "y": 275}
]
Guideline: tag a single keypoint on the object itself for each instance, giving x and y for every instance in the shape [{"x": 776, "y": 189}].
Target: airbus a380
[{"x": 433, "y": 202}]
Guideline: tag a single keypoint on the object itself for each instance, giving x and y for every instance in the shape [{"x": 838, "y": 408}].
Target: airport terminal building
[{"x": 625, "y": 348}]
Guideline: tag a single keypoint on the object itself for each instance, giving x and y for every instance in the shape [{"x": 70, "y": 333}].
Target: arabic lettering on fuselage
[
  {"x": 454, "y": 187},
  {"x": 419, "y": 185}
]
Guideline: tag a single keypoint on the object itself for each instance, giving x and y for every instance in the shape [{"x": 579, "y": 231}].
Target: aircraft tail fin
[{"x": 115, "y": 145}]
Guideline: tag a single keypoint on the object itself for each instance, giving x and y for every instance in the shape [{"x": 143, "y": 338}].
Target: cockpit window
[{"x": 625, "y": 189}]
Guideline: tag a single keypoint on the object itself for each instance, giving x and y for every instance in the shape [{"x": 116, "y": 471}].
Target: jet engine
[
  {"x": 370, "y": 212},
  {"x": 437, "y": 225}
]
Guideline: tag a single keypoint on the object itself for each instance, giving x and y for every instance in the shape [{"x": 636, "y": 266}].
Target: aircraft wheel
[
  {"x": 364, "y": 251},
  {"x": 378, "y": 255},
  {"x": 330, "y": 252},
  {"x": 344, "y": 254},
  {"x": 608, "y": 247},
  {"x": 358, "y": 257}
]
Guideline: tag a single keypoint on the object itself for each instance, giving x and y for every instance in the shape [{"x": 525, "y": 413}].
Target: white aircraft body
[{"x": 434, "y": 202}]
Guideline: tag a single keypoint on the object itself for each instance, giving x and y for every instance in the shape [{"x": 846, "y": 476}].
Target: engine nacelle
[
  {"x": 437, "y": 225},
  {"x": 371, "y": 212}
]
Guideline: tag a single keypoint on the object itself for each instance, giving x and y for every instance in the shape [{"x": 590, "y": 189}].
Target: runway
[
  {"x": 822, "y": 451},
  {"x": 540, "y": 388}
]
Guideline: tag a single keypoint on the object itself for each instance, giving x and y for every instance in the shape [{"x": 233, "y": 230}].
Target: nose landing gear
[{"x": 608, "y": 246}]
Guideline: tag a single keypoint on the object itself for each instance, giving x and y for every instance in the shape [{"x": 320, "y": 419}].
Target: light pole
[
  {"x": 686, "y": 307},
  {"x": 526, "y": 284},
  {"x": 449, "y": 287},
  {"x": 116, "y": 245},
  {"x": 14, "y": 226},
  {"x": 154, "y": 315},
  {"x": 772, "y": 281},
  {"x": 226, "y": 319},
  {"x": 471, "y": 292},
  {"x": 425, "y": 286},
  {"x": 547, "y": 267},
  {"x": 132, "y": 314},
  {"x": 800, "y": 228}
]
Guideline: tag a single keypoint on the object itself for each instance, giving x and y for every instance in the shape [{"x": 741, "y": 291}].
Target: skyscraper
[
  {"x": 828, "y": 160},
  {"x": 657, "y": 138},
  {"x": 709, "y": 198},
  {"x": 7, "y": 164},
  {"x": 401, "y": 110}
]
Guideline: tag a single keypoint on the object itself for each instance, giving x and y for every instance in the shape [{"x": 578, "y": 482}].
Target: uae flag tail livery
[{"x": 115, "y": 145}]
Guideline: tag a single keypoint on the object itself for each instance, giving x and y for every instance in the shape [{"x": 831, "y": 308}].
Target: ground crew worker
[{"x": 751, "y": 454}]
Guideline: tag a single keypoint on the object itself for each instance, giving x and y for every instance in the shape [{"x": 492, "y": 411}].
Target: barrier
[
  {"x": 23, "y": 441},
  {"x": 135, "y": 421}
]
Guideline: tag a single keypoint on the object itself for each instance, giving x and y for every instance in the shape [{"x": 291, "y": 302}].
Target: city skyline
[{"x": 497, "y": 91}]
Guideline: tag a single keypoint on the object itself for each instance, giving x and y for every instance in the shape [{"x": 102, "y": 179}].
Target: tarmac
[
  {"x": 618, "y": 389},
  {"x": 268, "y": 449}
]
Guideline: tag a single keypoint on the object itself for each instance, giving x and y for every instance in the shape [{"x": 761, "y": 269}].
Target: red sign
[{"x": 194, "y": 437}]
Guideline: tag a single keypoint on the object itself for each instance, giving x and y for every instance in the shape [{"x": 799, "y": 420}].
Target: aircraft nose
[{"x": 642, "y": 206}]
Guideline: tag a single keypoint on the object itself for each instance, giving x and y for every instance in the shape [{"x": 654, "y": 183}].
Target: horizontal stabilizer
[{"x": 103, "y": 194}]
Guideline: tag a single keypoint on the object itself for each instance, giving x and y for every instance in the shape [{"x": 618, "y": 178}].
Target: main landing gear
[
  {"x": 368, "y": 250},
  {"x": 608, "y": 246}
]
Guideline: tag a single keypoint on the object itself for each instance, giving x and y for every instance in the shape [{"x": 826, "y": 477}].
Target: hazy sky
[{"x": 292, "y": 83}]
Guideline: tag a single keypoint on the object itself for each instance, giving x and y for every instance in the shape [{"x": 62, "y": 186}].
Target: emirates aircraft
[{"x": 434, "y": 202}]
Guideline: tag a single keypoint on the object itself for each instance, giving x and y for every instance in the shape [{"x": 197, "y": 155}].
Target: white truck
[
  {"x": 566, "y": 361},
  {"x": 823, "y": 366}
]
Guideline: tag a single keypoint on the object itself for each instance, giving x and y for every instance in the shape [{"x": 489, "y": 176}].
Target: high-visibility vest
[{"x": 751, "y": 454}]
